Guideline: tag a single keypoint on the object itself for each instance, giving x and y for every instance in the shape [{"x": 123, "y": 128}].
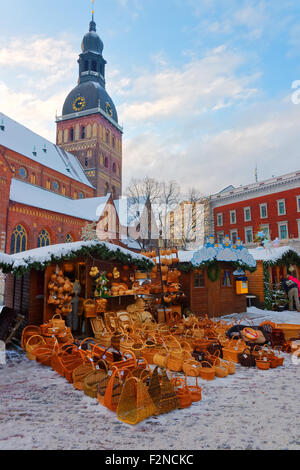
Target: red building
[
  {"x": 47, "y": 193},
  {"x": 272, "y": 206}
]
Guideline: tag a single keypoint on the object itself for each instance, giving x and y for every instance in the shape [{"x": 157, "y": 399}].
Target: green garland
[
  {"x": 101, "y": 252},
  {"x": 267, "y": 290},
  {"x": 213, "y": 271}
]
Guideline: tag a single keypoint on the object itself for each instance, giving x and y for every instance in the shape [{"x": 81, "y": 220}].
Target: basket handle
[
  {"x": 57, "y": 315},
  {"x": 205, "y": 362},
  {"x": 35, "y": 336}
]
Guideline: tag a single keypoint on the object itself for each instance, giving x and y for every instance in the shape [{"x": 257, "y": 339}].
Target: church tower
[{"x": 89, "y": 127}]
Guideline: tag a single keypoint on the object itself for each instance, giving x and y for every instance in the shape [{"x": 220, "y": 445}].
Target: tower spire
[{"x": 93, "y": 9}]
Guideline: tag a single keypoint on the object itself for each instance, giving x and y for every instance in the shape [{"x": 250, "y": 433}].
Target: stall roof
[
  {"x": 271, "y": 254},
  {"x": 39, "y": 258}
]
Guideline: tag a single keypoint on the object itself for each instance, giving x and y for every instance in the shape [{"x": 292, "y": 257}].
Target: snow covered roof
[
  {"x": 18, "y": 138},
  {"x": 87, "y": 209},
  {"x": 55, "y": 253},
  {"x": 186, "y": 256},
  {"x": 270, "y": 254}
]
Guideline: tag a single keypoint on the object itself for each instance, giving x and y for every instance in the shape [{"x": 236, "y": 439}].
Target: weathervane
[{"x": 93, "y": 9}]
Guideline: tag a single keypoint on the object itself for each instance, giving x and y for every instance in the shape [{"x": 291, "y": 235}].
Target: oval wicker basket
[{"x": 206, "y": 373}]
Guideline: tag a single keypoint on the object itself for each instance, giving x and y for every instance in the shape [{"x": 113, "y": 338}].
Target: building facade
[
  {"x": 88, "y": 127},
  {"x": 272, "y": 206}
]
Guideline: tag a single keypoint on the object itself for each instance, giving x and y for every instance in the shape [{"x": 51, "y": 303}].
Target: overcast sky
[{"x": 203, "y": 88}]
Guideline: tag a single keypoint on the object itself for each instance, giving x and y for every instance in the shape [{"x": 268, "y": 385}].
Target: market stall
[
  {"x": 43, "y": 282},
  {"x": 273, "y": 264},
  {"x": 215, "y": 278}
]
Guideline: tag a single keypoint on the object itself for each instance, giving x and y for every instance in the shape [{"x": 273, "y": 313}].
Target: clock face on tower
[
  {"x": 109, "y": 109},
  {"x": 79, "y": 103}
]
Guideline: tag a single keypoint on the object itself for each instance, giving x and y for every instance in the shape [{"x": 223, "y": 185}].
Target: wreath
[{"x": 213, "y": 272}]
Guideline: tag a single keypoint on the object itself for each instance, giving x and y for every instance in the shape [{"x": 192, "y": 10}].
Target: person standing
[{"x": 291, "y": 289}]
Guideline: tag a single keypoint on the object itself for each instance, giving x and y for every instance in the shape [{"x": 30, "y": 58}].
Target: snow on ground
[{"x": 252, "y": 409}]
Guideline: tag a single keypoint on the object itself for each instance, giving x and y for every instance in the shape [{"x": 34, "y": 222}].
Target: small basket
[
  {"x": 262, "y": 364},
  {"x": 206, "y": 372},
  {"x": 90, "y": 308},
  {"x": 191, "y": 368},
  {"x": 33, "y": 343},
  {"x": 58, "y": 323}
]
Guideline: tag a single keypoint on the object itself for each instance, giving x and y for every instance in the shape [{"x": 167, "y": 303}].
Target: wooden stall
[
  {"x": 274, "y": 264},
  {"x": 29, "y": 276},
  {"x": 211, "y": 285}
]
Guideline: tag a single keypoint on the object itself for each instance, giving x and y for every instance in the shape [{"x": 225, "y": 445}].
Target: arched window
[
  {"x": 83, "y": 132},
  {"x": 106, "y": 162},
  {"x": 43, "y": 239},
  {"x": 71, "y": 134},
  {"x": 68, "y": 238},
  {"x": 23, "y": 173},
  {"x": 18, "y": 242},
  {"x": 107, "y": 137},
  {"x": 86, "y": 65},
  {"x": 94, "y": 66},
  {"x": 114, "y": 168},
  {"x": 32, "y": 178}
]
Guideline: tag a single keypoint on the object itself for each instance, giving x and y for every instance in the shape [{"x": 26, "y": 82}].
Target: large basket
[
  {"x": 30, "y": 330},
  {"x": 135, "y": 404},
  {"x": 160, "y": 358},
  {"x": 91, "y": 382},
  {"x": 168, "y": 400},
  {"x": 32, "y": 344},
  {"x": 80, "y": 374},
  {"x": 104, "y": 338},
  {"x": 114, "y": 388},
  {"x": 233, "y": 349}
]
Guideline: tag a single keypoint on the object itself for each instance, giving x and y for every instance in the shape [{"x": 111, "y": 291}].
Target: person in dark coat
[{"x": 292, "y": 292}]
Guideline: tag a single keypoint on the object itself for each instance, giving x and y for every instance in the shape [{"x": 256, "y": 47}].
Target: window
[
  {"x": 18, "y": 241},
  {"x": 71, "y": 134},
  {"x": 283, "y": 231},
  {"x": 247, "y": 214},
  {"x": 86, "y": 161},
  {"x": 43, "y": 239},
  {"x": 249, "y": 235},
  {"x": 94, "y": 66},
  {"x": 23, "y": 173},
  {"x": 199, "y": 278},
  {"x": 233, "y": 217},
  {"x": 86, "y": 65},
  {"x": 114, "y": 142},
  {"x": 48, "y": 184},
  {"x": 106, "y": 162},
  {"x": 32, "y": 178},
  {"x": 220, "y": 237},
  {"x": 281, "y": 207},
  {"x": 83, "y": 132},
  {"x": 298, "y": 203},
  {"x": 55, "y": 186},
  {"x": 219, "y": 220},
  {"x": 107, "y": 137},
  {"x": 81, "y": 195},
  {"x": 263, "y": 211},
  {"x": 298, "y": 222},
  {"x": 114, "y": 168},
  {"x": 68, "y": 238},
  {"x": 63, "y": 191},
  {"x": 226, "y": 280},
  {"x": 234, "y": 236}
]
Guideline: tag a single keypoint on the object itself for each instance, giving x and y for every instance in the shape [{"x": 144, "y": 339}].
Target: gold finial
[{"x": 93, "y": 8}]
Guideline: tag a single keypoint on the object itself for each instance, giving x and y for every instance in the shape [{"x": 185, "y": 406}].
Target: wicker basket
[
  {"x": 160, "y": 358},
  {"x": 191, "y": 368},
  {"x": 58, "y": 323},
  {"x": 28, "y": 331},
  {"x": 33, "y": 343},
  {"x": 104, "y": 338},
  {"x": 91, "y": 382},
  {"x": 263, "y": 364},
  {"x": 206, "y": 371},
  {"x": 80, "y": 373},
  {"x": 90, "y": 308},
  {"x": 101, "y": 305},
  {"x": 195, "y": 390},
  {"x": 183, "y": 393},
  {"x": 135, "y": 404}
]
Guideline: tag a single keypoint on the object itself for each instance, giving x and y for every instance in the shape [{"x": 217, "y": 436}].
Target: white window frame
[
  {"x": 280, "y": 224},
  {"x": 278, "y": 202},
  {"x": 246, "y": 229},
  {"x": 245, "y": 218},
  {"x": 260, "y": 210},
  {"x": 220, "y": 214},
  {"x": 298, "y": 203},
  {"x": 230, "y": 214},
  {"x": 298, "y": 224}
]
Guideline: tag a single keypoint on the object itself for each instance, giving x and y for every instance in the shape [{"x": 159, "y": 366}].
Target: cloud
[{"x": 210, "y": 83}]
